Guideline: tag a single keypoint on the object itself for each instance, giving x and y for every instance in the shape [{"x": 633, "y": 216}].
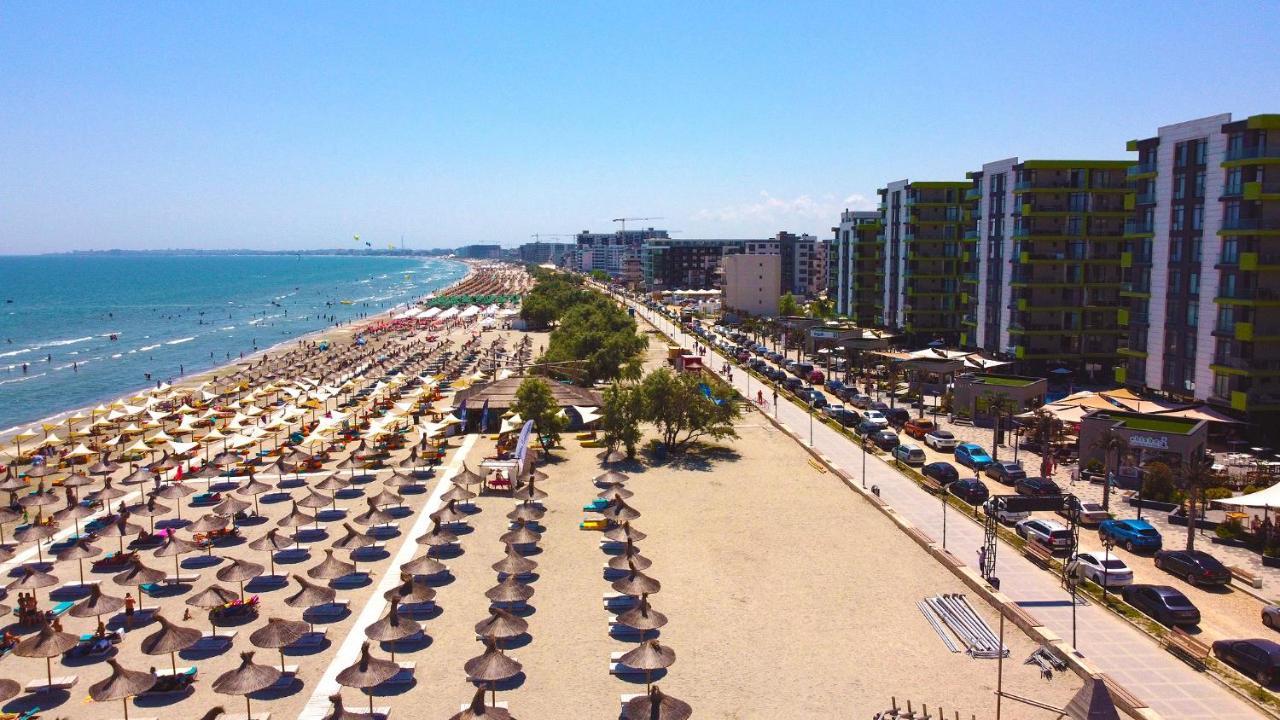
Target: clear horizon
[{"x": 299, "y": 126}]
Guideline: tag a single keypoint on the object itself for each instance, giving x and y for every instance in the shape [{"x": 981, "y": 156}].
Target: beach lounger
[
  {"x": 618, "y": 602},
  {"x": 594, "y": 524},
  {"x": 168, "y": 682},
  {"x": 596, "y": 505},
  {"x": 62, "y": 607},
  {"x": 60, "y": 682},
  {"x": 619, "y": 631},
  {"x": 333, "y": 610},
  {"x": 181, "y": 670},
  {"x": 407, "y": 668},
  {"x": 313, "y": 637},
  {"x": 75, "y": 586},
  {"x": 181, "y": 578}
]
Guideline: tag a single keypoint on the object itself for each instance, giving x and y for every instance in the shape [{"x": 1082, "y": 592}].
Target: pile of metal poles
[{"x": 956, "y": 614}]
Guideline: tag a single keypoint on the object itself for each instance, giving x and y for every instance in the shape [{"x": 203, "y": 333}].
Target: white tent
[
  {"x": 431, "y": 312},
  {"x": 1261, "y": 499}
]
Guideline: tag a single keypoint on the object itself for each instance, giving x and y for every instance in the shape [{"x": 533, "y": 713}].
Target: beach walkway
[{"x": 1168, "y": 685}]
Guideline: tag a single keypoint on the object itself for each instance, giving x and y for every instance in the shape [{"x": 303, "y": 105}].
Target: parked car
[
  {"x": 831, "y": 409},
  {"x": 867, "y": 429},
  {"x": 943, "y": 472},
  {"x": 793, "y": 384},
  {"x": 1090, "y": 513},
  {"x": 1050, "y": 533},
  {"x": 859, "y": 400},
  {"x": 1255, "y": 657},
  {"x": 885, "y": 439},
  {"x": 875, "y": 417},
  {"x": 940, "y": 439},
  {"x": 816, "y": 398},
  {"x": 1195, "y": 566},
  {"x": 897, "y": 417},
  {"x": 1102, "y": 568},
  {"x": 846, "y": 417},
  {"x": 909, "y": 455},
  {"x": 834, "y": 386},
  {"x": 972, "y": 455},
  {"x": 1164, "y": 604},
  {"x": 881, "y": 406},
  {"x": 1008, "y": 473},
  {"x": 1036, "y": 486},
  {"x": 970, "y": 490},
  {"x": 1133, "y": 535},
  {"x": 919, "y": 427},
  {"x": 1271, "y": 616},
  {"x": 817, "y": 378},
  {"x": 1005, "y": 515}
]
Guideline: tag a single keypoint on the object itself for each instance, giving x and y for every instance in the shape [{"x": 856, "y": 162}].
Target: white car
[
  {"x": 940, "y": 439},
  {"x": 876, "y": 418},
  {"x": 1008, "y": 517},
  {"x": 1101, "y": 567},
  {"x": 1050, "y": 533}
]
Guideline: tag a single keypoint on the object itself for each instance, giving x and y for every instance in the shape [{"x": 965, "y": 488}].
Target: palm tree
[
  {"x": 1110, "y": 443},
  {"x": 1197, "y": 475},
  {"x": 1001, "y": 406}
]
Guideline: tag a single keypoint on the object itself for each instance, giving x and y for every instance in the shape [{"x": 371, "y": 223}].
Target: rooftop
[{"x": 1154, "y": 423}]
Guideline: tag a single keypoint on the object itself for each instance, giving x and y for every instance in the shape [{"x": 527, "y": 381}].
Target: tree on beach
[
  {"x": 621, "y": 417},
  {"x": 601, "y": 334},
  {"x": 535, "y": 402},
  {"x": 683, "y": 411},
  {"x": 999, "y": 406}
]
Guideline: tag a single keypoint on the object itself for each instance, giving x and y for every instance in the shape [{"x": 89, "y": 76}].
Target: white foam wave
[{"x": 179, "y": 341}]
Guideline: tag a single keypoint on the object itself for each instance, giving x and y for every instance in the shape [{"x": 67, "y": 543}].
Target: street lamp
[
  {"x": 1107, "y": 544},
  {"x": 863, "y": 442},
  {"x": 810, "y": 420},
  {"x": 943, "y": 497}
]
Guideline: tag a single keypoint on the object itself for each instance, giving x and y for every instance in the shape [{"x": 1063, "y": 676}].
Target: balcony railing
[
  {"x": 1147, "y": 198},
  {"x": 1251, "y": 224},
  {"x": 1141, "y": 168},
  {"x": 1253, "y": 151},
  {"x": 1137, "y": 227}
]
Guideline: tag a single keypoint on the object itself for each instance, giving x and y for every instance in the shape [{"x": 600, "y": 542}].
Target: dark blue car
[{"x": 1132, "y": 535}]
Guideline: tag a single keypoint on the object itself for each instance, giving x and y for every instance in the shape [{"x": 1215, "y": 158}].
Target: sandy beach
[{"x": 786, "y": 594}]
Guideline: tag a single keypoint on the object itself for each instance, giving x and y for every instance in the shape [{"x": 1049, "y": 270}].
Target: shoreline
[{"x": 6, "y": 434}]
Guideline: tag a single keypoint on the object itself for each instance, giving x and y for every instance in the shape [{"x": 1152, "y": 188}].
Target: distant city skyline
[{"x": 299, "y": 126}]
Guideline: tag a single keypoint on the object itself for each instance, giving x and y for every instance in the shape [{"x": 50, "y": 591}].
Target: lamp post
[
  {"x": 943, "y": 497},
  {"x": 863, "y": 442},
  {"x": 1107, "y": 544},
  {"x": 811, "y": 421}
]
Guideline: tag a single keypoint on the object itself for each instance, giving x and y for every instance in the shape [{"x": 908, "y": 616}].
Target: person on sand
[{"x": 129, "y": 604}]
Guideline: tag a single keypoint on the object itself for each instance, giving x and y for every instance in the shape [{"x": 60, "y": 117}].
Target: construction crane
[
  {"x": 537, "y": 237},
  {"x": 625, "y": 220}
]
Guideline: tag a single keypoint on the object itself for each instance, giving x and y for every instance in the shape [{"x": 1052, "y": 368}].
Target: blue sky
[{"x": 297, "y": 125}]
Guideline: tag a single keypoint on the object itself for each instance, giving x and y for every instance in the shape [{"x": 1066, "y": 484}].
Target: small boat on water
[{"x": 347, "y": 302}]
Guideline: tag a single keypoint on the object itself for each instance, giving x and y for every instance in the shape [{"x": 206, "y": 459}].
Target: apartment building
[
  {"x": 985, "y": 293},
  {"x": 669, "y": 264},
  {"x": 924, "y": 225},
  {"x": 1203, "y": 264},
  {"x": 751, "y": 283},
  {"x": 858, "y": 251}
]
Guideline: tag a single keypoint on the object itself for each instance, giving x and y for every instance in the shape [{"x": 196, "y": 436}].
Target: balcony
[
  {"x": 1139, "y": 169},
  {"x": 1251, "y": 224},
  {"x": 1147, "y": 198},
  {"x": 1254, "y": 152},
  {"x": 973, "y": 194},
  {"x": 1138, "y": 227}
]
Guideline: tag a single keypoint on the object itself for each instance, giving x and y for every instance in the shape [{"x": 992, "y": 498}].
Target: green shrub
[
  {"x": 1095, "y": 466},
  {"x": 1230, "y": 529},
  {"x": 1217, "y": 493},
  {"x": 1158, "y": 484}
]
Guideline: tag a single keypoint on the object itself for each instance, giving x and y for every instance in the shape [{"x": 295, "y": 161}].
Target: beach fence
[{"x": 910, "y": 713}]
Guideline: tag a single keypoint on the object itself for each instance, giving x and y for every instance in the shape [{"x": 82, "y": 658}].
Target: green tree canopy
[
  {"x": 788, "y": 306},
  {"x": 621, "y": 416},
  {"x": 682, "y": 412},
  {"x": 600, "y": 334},
  {"x": 535, "y": 402}
]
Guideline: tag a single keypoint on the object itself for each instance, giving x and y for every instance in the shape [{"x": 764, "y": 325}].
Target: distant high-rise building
[
  {"x": 479, "y": 252},
  {"x": 617, "y": 253},
  {"x": 751, "y": 283},
  {"x": 858, "y": 249},
  {"x": 543, "y": 252}
]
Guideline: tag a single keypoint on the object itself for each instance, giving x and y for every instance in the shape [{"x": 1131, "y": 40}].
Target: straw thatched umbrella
[
  {"x": 353, "y": 539},
  {"x": 399, "y": 479},
  {"x": 502, "y": 625},
  {"x": 270, "y": 543},
  {"x": 297, "y": 518},
  {"x": 175, "y": 546},
  {"x": 624, "y": 533},
  {"x": 643, "y": 617},
  {"x": 450, "y": 513},
  {"x": 509, "y": 591},
  {"x": 310, "y": 595},
  {"x": 521, "y": 535},
  {"x": 491, "y": 667},
  {"x": 392, "y": 627},
  {"x": 373, "y": 515},
  {"x": 209, "y": 522},
  {"x": 7, "y": 516},
  {"x": 278, "y": 634},
  {"x": 253, "y": 488},
  {"x": 630, "y": 559},
  {"x": 619, "y": 511},
  {"x": 136, "y": 576},
  {"x": 175, "y": 491},
  {"x": 120, "y": 528},
  {"x": 514, "y": 563},
  {"x": 170, "y": 639},
  {"x": 9, "y": 688},
  {"x": 121, "y": 685},
  {"x": 386, "y": 497},
  {"x": 333, "y": 483},
  {"x": 40, "y": 497},
  {"x": 47, "y": 644},
  {"x": 526, "y": 512},
  {"x": 529, "y": 493},
  {"x": 648, "y": 656},
  {"x": 96, "y": 605},
  {"x": 150, "y": 509},
  {"x": 656, "y": 706},
  {"x": 37, "y": 531},
  {"x": 477, "y": 710},
  {"x": 614, "y": 491},
  {"x": 436, "y": 537},
  {"x": 338, "y": 712},
  {"x": 315, "y": 501},
  {"x": 458, "y": 493},
  {"x": 612, "y": 476},
  {"x": 31, "y": 579},
  {"x": 102, "y": 468},
  {"x": 239, "y": 571},
  {"x": 232, "y": 506},
  {"x": 211, "y": 598},
  {"x": 637, "y": 583},
  {"x": 330, "y": 568},
  {"x": 411, "y": 590},
  {"x": 249, "y": 677},
  {"x": 367, "y": 672},
  {"x": 74, "y": 512},
  {"x": 466, "y": 477},
  {"x": 79, "y": 551},
  {"x": 423, "y": 565},
  {"x": 609, "y": 457},
  {"x": 137, "y": 477}
]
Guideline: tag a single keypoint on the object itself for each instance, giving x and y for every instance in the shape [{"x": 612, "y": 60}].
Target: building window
[
  {"x": 1175, "y": 250},
  {"x": 1235, "y": 182},
  {"x": 1179, "y": 187},
  {"x": 1193, "y": 314},
  {"x": 1197, "y": 215},
  {"x": 1200, "y": 182},
  {"x": 1180, "y": 155},
  {"x": 1193, "y": 283},
  {"x": 1202, "y": 151},
  {"x": 1221, "y": 385},
  {"x": 1178, "y": 215}
]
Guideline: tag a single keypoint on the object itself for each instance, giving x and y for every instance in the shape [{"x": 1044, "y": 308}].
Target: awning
[
  {"x": 1261, "y": 499},
  {"x": 1204, "y": 412}
]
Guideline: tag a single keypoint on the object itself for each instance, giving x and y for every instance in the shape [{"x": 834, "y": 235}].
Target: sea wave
[
  {"x": 179, "y": 341},
  {"x": 147, "y": 348}
]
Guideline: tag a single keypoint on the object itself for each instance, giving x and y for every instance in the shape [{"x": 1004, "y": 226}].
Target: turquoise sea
[{"x": 172, "y": 315}]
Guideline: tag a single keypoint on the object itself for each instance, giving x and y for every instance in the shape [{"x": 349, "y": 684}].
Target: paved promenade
[{"x": 1165, "y": 683}]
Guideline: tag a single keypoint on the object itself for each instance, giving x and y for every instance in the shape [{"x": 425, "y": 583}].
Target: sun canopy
[{"x": 1261, "y": 499}]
